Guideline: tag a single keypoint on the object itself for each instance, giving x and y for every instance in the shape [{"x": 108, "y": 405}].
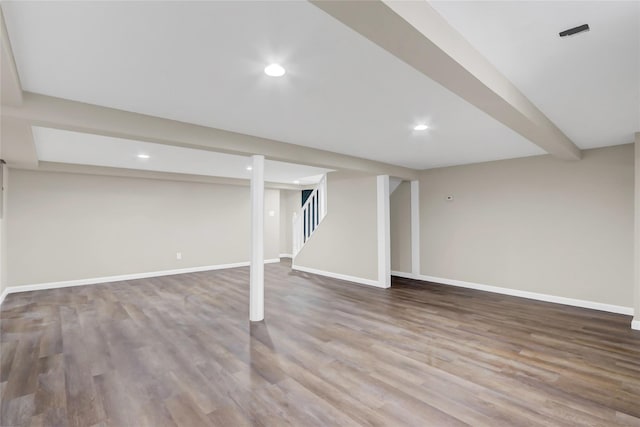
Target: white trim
[
  {"x": 522, "y": 294},
  {"x": 338, "y": 276},
  {"x": 635, "y": 324},
  {"x": 285, "y": 256},
  {"x": 415, "y": 227},
  {"x": 122, "y": 277},
  {"x": 384, "y": 231}
]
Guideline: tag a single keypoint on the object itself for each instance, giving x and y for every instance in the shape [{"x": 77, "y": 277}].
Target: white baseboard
[
  {"x": 119, "y": 278},
  {"x": 286, "y": 256},
  {"x": 635, "y": 324},
  {"x": 522, "y": 294},
  {"x": 363, "y": 281}
]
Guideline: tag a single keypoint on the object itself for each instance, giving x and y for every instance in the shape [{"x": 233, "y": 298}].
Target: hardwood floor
[{"x": 179, "y": 351}]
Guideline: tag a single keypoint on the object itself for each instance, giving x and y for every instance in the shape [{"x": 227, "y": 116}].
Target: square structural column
[
  {"x": 384, "y": 231},
  {"x": 635, "y": 323},
  {"x": 415, "y": 228},
  {"x": 256, "y": 269}
]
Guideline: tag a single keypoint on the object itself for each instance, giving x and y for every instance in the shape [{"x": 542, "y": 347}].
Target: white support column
[
  {"x": 4, "y": 184},
  {"x": 415, "y": 228},
  {"x": 635, "y": 323},
  {"x": 384, "y": 232},
  {"x": 256, "y": 270}
]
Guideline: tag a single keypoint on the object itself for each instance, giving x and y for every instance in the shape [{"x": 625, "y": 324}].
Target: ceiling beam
[
  {"x": 9, "y": 80},
  {"x": 17, "y": 148},
  {"x": 46, "y": 111},
  {"x": 416, "y": 34},
  {"x": 157, "y": 175}
]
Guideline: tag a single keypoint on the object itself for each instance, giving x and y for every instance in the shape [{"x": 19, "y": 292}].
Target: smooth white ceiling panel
[
  {"x": 61, "y": 146},
  {"x": 202, "y": 63},
  {"x": 587, "y": 84}
]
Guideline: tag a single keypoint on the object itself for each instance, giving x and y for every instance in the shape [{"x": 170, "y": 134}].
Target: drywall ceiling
[
  {"x": 202, "y": 63},
  {"x": 587, "y": 84},
  {"x": 61, "y": 146}
]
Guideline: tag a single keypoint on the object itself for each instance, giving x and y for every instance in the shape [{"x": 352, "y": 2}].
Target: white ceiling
[
  {"x": 202, "y": 62},
  {"x": 587, "y": 84},
  {"x": 54, "y": 145}
]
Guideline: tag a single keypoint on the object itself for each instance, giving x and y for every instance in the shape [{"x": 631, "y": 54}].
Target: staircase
[{"x": 310, "y": 216}]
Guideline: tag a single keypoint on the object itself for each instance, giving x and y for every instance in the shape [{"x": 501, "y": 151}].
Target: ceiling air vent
[{"x": 574, "y": 30}]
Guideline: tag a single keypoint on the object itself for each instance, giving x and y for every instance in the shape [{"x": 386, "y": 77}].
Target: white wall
[
  {"x": 345, "y": 243},
  {"x": 290, "y": 202},
  {"x": 537, "y": 224},
  {"x": 64, "y": 226},
  {"x": 401, "y": 228},
  {"x": 271, "y": 225}
]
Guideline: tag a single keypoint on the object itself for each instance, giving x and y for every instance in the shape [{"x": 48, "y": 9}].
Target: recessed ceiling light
[
  {"x": 420, "y": 127},
  {"x": 296, "y": 182},
  {"x": 249, "y": 168},
  {"x": 274, "y": 70},
  {"x": 143, "y": 156}
]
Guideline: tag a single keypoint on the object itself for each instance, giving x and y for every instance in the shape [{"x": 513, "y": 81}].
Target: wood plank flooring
[{"x": 179, "y": 351}]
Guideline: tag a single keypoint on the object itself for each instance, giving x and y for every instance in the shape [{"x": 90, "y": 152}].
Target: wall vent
[{"x": 574, "y": 30}]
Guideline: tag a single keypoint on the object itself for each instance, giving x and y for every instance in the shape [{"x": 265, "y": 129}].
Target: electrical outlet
[{"x": 178, "y": 255}]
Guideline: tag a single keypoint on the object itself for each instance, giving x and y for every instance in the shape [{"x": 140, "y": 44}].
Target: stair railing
[{"x": 310, "y": 216}]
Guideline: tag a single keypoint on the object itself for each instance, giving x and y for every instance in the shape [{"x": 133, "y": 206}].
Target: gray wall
[
  {"x": 537, "y": 224},
  {"x": 400, "y": 219},
  {"x": 346, "y": 241},
  {"x": 290, "y": 202},
  {"x": 65, "y": 226}
]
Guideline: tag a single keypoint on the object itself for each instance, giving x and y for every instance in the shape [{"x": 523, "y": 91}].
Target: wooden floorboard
[{"x": 180, "y": 351}]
